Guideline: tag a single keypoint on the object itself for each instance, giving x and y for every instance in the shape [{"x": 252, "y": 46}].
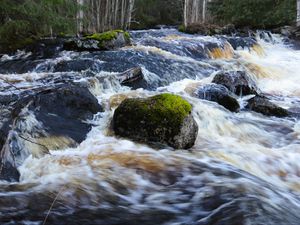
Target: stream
[{"x": 244, "y": 168}]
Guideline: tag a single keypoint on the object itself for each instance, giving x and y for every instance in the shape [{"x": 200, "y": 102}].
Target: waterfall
[
  {"x": 298, "y": 12},
  {"x": 195, "y": 11},
  {"x": 103, "y": 15}
]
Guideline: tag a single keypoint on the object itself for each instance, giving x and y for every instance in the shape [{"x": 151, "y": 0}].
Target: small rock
[
  {"x": 220, "y": 94},
  {"x": 264, "y": 106},
  {"x": 237, "y": 82},
  {"x": 133, "y": 78},
  {"x": 162, "y": 119}
]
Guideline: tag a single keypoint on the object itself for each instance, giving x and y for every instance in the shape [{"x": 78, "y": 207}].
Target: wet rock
[
  {"x": 208, "y": 29},
  {"x": 237, "y": 82},
  {"x": 241, "y": 42},
  {"x": 162, "y": 119},
  {"x": 109, "y": 40},
  {"x": 81, "y": 45},
  {"x": 200, "y": 28},
  {"x": 264, "y": 106},
  {"x": 54, "y": 118},
  {"x": 220, "y": 94},
  {"x": 133, "y": 78}
]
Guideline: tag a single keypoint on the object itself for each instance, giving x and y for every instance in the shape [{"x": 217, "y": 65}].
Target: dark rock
[
  {"x": 9, "y": 172},
  {"x": 264, "y": 106},
  {"x": 208, "y": 29},
  {"x": 220, "y": 94},
  {"x": 241, "y": 42},
  {"x": 64, "y": 109},
  {"x": 161, "y": 119},
  {"x": 229, "y": 29},
  {"x": 133, "y": 78},
  {"x": 53, "y": 118},
  {"x": 81, "y": 45},
  {"x": 203, "y": 29},
  {"x": 237, "y": 82}
]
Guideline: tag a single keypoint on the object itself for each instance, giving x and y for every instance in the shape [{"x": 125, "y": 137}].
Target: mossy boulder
[
  {"x": 162, "y": 119},
  {"x": 109, "y": 40}
]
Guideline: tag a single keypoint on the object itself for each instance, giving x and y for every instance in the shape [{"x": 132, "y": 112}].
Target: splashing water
[{"x": 243, "y": 169}]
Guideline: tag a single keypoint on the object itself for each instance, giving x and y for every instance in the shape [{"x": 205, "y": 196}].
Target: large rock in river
[
  {"x": 54, "y": 118},
  {"x": 220, "y": 94},
  {"x": 109, "y": 40},
  {"x": 264, "y": 106},
  {"x": 164, "y": 119},
  {"x": 237, "y": 82}
]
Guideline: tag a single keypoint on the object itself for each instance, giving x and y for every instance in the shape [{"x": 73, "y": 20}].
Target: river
[{"x": 243, "y": 169}]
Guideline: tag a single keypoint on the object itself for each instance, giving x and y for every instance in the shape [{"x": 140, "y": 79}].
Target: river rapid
[{"x": 244, "y": 168}]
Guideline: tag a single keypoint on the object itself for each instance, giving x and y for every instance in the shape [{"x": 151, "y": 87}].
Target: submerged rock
[
  {"x": 264, "y": 106},
  {"x": 109, "y": 40},
  {"x": 220, "y": 94},
  {"x": 53, "y": 118},
  {"x": 163, "y": 119},
  {"x": 237, "y": 82}
]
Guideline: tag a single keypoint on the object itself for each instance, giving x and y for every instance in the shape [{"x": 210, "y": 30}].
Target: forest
[{"x": 23, "y": 21}]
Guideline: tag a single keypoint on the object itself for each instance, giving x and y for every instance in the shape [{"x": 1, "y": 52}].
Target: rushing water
[{"x": 243, "y": 169}]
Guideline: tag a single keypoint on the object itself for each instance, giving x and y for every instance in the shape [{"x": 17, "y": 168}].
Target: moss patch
[
  {"x": 181, "y": 28},
  {"x": 164, "y": 110},
  {"x": 107, "y": 36}
]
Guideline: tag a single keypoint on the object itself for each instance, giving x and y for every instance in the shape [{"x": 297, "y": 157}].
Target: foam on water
[{"x": 239, "y": 159}]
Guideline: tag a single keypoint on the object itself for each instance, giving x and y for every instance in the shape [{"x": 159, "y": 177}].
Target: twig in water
[
  {"x": 44, "y": 146},
  {"x": 50, "y": 209}
]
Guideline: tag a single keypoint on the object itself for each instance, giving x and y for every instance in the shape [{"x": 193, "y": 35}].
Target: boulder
[
  {"x": 133, "y": 78},
  {"x": 220, "y": 94},
  {"x": 264, "y": 106},
  {"x": 53, "y": 118},
  {"x": 242, "y": 42},
  {"x": 208, "y": 29},
  {"x": 162, "y": 119},
  {"x": 109, "y": 40},
  {"x": 201, "y": 28},
  {"x": 237, "y": 82}
]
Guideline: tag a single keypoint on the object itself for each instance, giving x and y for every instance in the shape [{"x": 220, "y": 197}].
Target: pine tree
[{"x": 21, "y": 21}]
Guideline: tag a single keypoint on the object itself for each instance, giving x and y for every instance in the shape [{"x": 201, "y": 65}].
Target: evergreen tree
[
  {"x": 254, "y": 13},
  {"x": 21, "y": 21}
]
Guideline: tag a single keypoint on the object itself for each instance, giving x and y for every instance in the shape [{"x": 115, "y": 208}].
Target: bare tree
[
  {"x": 298, "y": 13},
  {"x": 195, "y": 11},
  {"x": 103, "y": 15}
]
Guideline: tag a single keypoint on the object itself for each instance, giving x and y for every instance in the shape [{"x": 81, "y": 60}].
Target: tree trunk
[
  {"x": 195, "y": 11},
  {"x": 298, "y": 13},
  {"x": 103, "y": 15}
]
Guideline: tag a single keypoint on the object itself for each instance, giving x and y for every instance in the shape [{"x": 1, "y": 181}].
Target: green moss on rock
[
  {"x": 108, "y": 36},
  {"x": 159, "y": 119}
]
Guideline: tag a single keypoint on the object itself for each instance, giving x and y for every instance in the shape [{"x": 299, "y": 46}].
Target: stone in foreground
[
  {"x": 264, "y": 106},
  {"x": 162, "y": 119}
]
